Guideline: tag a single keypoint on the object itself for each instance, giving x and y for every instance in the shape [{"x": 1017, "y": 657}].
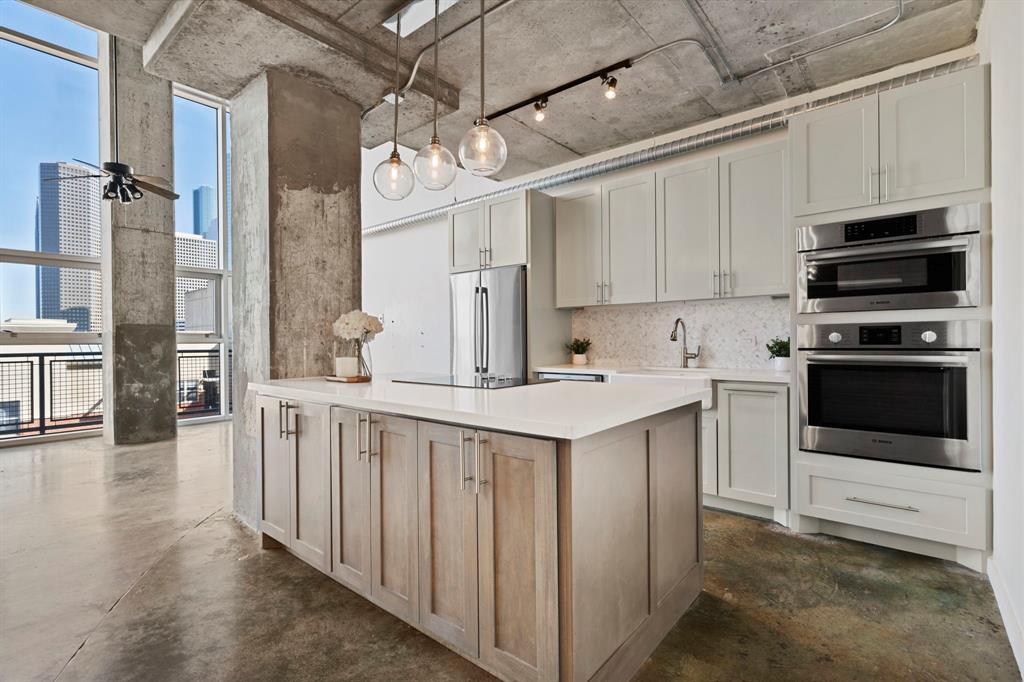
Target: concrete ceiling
[{"x": 532, "y": 46}]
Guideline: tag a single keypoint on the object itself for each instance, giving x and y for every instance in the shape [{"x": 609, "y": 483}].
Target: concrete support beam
[
  {"x": 139, "y": 345},
  {"x": 297, "y": 252}
]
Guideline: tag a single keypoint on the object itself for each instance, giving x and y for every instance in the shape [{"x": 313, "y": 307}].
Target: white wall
[
  {"x": 1000, "y": 33},
  {"x": 405, "y": 273}
]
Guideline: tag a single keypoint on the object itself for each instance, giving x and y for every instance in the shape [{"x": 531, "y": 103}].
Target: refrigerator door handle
[
  {"x": 486, "y": 341},
  {"x": 476, "y": 329}
]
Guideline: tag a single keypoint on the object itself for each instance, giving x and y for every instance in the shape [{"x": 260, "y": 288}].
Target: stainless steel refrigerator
[{"x": 489, "y": 324}]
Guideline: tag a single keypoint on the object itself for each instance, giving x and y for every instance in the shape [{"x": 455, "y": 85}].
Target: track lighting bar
[{"x": 602, "y": 74}]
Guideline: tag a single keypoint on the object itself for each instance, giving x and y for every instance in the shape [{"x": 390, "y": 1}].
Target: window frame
[{"x": 41, "y": 258}]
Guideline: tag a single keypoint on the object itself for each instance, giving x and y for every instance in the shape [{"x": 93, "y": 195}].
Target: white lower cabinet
[
  {"x": 753, "y": 443},
  {"x": 882, "y": 500}
]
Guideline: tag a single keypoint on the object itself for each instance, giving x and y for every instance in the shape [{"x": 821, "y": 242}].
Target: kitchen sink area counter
[
  {"x": 713, "y": 373},
  {"x": 549, "y": 531}
]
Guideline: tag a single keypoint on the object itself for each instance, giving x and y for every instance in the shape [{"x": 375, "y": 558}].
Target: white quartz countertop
[
  {"x": 714, "y": 373},
  {"x": 564, "y": 409}
]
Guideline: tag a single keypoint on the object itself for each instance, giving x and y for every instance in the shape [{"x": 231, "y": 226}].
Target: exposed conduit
[{"x": 729, "y": 133}]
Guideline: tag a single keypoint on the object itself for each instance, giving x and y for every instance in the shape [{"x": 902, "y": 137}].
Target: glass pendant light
[
  {"x": 434, "y": 165},
  {"x": 482, "y": 151},
  {"x": 393, "y": 178}
]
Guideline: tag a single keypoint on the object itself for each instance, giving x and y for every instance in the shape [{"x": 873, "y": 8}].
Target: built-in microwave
[
  {"x": 907, "y": 392},
  {"x": 925, "y": 259}
]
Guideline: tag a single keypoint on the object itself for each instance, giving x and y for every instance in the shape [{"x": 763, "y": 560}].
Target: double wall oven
[
  {"x": 907, "y": 392},
  {"x": 900, "y": 391},
  {"x": 927, "y": 259}
]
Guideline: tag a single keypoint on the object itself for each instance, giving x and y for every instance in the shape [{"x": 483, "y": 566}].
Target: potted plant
[
  {"x": 778, "y": 350},
  {"x": 578, "y": 348},
  {"x": 360, "y": 328}
]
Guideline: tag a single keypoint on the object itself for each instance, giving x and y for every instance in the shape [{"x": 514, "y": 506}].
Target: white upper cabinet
[
  {"x": 754, "y": 244},
  {"x": 835, "y": 157},
  {"x": 490, "y": 234},
  {"x": 627, "y": 208},
  {"x": 933, "y": 136},
  {"x": 578, "y": 250},
  {"x": 686, "y": 212},
  {"x": 919, "y": 140},
  {"x": 505, "y": 231},
  {"x": 465, "y": 238}
]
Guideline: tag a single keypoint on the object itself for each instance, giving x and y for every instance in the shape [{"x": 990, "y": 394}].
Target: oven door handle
[
  {"x": 950, "y": 360},
  {"x": 951, "y": 245}
]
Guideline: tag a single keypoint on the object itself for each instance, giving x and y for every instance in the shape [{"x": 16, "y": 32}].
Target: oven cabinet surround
[
  {"x": 920, "y": 140},
  {"x": 536, "y": 557},
  {"x": 708, "y": 228}
]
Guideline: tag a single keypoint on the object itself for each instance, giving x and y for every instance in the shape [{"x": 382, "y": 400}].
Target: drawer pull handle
[{"x": 884, "y": 504}]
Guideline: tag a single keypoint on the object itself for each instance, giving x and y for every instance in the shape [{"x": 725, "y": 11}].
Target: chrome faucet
[{"x": 686, "y": 354}]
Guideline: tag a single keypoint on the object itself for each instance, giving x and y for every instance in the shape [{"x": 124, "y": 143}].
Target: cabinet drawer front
[{"x": 943, "y": 512}]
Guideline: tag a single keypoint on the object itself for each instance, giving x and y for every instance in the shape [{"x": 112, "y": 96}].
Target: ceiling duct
[{"x": 729, "y": 133}]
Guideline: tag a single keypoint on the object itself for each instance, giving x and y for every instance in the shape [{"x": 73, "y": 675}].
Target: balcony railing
[{"x": 63, "y": 391}]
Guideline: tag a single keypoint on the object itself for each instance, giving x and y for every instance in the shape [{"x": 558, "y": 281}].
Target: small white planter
[
  {"x": 782, "y": 364},
  {"x": 579, "y": 358}
]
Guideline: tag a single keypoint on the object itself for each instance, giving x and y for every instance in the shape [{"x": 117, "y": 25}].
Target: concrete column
[
  {"x": 295, "y": 175},
  {"x": 139, "y": 358}
]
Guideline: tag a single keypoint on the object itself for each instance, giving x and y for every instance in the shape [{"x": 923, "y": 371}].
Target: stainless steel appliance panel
[
  {"x": 908, "y": 393},
  {"x": 559, "y": 376},
  {"x": 488, "y": 336}
]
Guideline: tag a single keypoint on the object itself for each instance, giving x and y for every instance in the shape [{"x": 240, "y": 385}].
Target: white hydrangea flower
[{"x": 357, "y": 325}]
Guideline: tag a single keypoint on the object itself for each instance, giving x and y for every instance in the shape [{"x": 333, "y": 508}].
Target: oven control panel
[{"x": 939, "y": 335}]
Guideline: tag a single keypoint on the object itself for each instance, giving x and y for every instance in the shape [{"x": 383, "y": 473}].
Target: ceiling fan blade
[
  {"x": 144, "y": 182},
  {"x": 91, "y": 165},
  {"x": 72, "y": 177}
]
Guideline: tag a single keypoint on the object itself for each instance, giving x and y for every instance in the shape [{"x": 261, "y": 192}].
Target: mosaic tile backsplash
[{"x": 732, "y": 333}]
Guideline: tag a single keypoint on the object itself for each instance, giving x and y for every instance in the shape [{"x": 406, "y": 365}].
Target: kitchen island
[{"x": 545, "y": 532}]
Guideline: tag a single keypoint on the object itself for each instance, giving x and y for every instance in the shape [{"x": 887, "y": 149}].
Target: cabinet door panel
[
  {"x": 465, "y": 238},
  {"x": 753, "y": 443},
  {"x": 754, "y": 235},
  {"x": 518, "y": 561},
  {"x": 350, "y": 498},
  {"x": 506, "y": 230},
  {"x": 275, "y": 471},
  {"x": 932, "y": 136},
  {"x": 311, "y": 476},
  {"x": 835, "y": 157},
  {"x": 448, "y": 537},
  {"x": 687, "y": 219},
  {"x": 578, "y": 250},
  {"x": 627, "y": 208},
  {"x": 393, "y": 542}
]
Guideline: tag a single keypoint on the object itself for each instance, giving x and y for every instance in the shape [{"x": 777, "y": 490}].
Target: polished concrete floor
[{"x": 124, "y": 564}]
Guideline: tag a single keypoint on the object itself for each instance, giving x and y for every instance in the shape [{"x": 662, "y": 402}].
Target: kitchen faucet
[{"x": 686, "y": 355}]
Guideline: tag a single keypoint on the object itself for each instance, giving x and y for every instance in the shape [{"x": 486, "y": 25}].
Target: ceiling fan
[{"x": 123, "y": 184}]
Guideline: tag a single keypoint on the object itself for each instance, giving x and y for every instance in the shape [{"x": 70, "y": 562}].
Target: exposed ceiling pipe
[
  {"x": 761, "y": 124},
  {"x": 803, "y": 55},
  {"x": 419, "y": 58}
]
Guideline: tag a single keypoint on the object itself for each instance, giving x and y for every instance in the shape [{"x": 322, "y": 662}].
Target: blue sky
[{"x": 49, "y": 112}]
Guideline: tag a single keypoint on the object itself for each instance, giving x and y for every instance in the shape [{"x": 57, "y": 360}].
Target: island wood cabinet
[
  {"x": 534, "y": 558},
  {"x": 490, "y": 234},
  {"x": 919, "y": 140},
  {"x": 753, "y": 443}
]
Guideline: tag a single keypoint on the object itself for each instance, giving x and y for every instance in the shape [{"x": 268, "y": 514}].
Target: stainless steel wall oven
[
  {"x": 908, "y": 392},
  {"x": 926, "y": 259}
]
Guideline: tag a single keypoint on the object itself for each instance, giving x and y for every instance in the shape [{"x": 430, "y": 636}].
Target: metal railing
[{"x": 52, "y": 392}]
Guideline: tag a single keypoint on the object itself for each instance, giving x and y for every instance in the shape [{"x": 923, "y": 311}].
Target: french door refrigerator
[{"x": 488, "y": 310}]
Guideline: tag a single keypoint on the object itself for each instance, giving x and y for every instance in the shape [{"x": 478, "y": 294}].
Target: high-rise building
[
  {"x": 193, "y": 296},
  {"x": 68, "y": 221},
  {"x": 204, "y": 211}
]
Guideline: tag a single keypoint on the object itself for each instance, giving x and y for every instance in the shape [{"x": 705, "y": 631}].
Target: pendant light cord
[
  {"x": 437, "y": 13},
  {"x": 398, "y": 45},
  {"x": 482, "y": 15},
  {"x": 113, "y": 78}
]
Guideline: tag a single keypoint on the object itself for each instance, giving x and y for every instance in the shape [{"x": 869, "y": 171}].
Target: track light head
[
  {"x": 610, "y": 83},
  {"x": 539, "y": 108}
]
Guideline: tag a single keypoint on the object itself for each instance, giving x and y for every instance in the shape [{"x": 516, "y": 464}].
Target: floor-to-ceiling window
[
  {"x": 51, "y": 375},
  {"x": 202, "y": 254}
]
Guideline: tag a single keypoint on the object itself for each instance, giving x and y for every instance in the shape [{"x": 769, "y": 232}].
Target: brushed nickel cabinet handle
[
  {"x": 477, "y": 442},
  {"x": 287, "y": 431},
  {"x": 883, "y": 504},
  {"x": 600, "y": 298},
  {"x": 370, "y": 421},
  {"x": 886, "y": 171},
  {"x": 462, "y": 460},
  {"x": 871, "y": 178},
  {"x": 726, "y": 283},
  {"x": 360, "y": 450},
  {"x": 714, "y": 285},
  {"x": 280, "y": 419}
]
